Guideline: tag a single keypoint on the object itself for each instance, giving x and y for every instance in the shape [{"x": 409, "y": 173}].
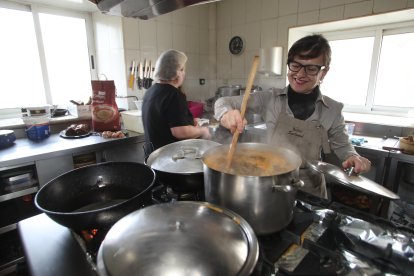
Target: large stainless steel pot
[
  {"x": 225, "y": 91},
  {"x": 260, "y": 186},
  {"x": 179, "y": 165},
  {"x": 181, "y": 238}
]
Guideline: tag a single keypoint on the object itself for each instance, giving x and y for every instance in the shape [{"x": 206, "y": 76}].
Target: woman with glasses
[
  {"x": 298, "y": 116},
  {"x": 165, "y": 114}
]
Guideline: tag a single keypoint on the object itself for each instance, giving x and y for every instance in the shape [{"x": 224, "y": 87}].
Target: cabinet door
[{"x": 47, "y": 169}]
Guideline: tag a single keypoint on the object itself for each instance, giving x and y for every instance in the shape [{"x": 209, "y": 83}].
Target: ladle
[{"x": 242, "y": 110}]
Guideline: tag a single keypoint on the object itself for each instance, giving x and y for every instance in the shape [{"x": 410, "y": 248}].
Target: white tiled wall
[
  {"x": 203, "y": 32},
  {"x": 275, "y": 17}
]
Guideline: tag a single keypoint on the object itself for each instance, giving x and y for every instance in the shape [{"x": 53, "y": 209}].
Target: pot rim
[{"x": 223, "y": 149}]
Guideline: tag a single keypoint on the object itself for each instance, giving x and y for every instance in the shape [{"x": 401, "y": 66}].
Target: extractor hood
[{"x": 143, "y": 9}]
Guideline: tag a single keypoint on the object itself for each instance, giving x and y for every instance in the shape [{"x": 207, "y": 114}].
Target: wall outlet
[{"x": 202, "y": 81}]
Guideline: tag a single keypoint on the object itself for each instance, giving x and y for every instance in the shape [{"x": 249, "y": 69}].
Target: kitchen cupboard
[
  {"x": 52, "y": 167},
  {"x": 400, "y": 180},
  {"x": 18, "y": 186}
]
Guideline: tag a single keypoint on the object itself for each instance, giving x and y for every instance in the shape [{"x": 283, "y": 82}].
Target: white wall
[{"x": 203, "y": 32}]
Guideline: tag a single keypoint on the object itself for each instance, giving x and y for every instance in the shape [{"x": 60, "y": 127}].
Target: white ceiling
[{"x": 79, "y": 5}]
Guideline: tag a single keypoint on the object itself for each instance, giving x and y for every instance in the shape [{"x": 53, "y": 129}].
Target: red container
[{"x": 196, "y": 109}]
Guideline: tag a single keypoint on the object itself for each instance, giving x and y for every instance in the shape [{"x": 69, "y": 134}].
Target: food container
[
  {"x": 36, "y": 111},
  {"x": 80, "y": 111},
  {"x": 132, "y": 120},
  {"x": 37, "y": 127}
]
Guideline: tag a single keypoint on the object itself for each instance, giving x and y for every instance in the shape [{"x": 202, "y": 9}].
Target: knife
[
  {"x": 139, "y": 80},
  {"x": 131, "y": 75},
  {"x": 136, "y": 76},
  {"x": 143, "y": 72}
]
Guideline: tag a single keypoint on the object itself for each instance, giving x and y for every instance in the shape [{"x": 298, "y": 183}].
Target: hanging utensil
[
  {"x": 136, "y": 75},
  {"x": 243, "y": 109},
  {"x": 131, "y": 75},
  {"x": 139, "y": 80},
  {"x": 144, "y": 83},
  {"x": 147, "y": 76}
]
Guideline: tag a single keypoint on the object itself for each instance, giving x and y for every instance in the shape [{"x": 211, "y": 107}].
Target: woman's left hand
[{"x": 360, "y": 164}]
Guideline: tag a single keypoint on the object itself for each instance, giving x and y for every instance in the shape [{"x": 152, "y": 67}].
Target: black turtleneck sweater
[{"x": 302, "y": 105}]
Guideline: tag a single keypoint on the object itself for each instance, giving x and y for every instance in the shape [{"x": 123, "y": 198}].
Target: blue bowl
[{"x": 7, "y": 138}]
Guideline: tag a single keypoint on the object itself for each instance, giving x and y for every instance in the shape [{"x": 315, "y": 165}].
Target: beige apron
[{"x": 308, "y": 139}]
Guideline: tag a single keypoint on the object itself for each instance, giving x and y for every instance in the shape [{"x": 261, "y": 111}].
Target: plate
[{"x": 63, "y": 135}]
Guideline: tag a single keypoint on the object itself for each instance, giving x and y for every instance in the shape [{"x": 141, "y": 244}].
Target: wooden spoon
[{"x": 243, "y": 109}]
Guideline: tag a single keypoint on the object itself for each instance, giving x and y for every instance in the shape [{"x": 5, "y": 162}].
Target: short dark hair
[{"x": 311, "y": 46}]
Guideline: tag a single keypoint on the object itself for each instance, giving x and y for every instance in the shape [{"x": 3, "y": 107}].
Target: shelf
[
  {"x": 18, "y": 193},
  {"x": 8, "y": 228},
  {"x": 14, "y": 210}
]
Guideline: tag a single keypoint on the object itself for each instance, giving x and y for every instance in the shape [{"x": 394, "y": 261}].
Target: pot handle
[
  {"x": 294, "y": 184},
  {"x": 185, "y": 152}
]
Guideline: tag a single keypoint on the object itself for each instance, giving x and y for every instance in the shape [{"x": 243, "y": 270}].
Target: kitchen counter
[{"x": 27, "y": 151}]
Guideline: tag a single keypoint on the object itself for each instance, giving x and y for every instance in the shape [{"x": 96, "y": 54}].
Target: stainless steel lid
[
  {"x": 354, "y": 181},
  {"x": 183, "y": 157},
  {"x": 181, "y": 238}
]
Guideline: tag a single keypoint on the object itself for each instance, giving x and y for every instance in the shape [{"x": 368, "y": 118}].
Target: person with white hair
[{"x": 165, "y": 113}]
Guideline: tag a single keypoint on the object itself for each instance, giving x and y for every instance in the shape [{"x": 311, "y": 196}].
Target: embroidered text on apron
[{"x": 306, "y": 138}]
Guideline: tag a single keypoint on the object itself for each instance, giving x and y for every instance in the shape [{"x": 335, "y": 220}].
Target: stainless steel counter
[{"x": 27, "y": 151}]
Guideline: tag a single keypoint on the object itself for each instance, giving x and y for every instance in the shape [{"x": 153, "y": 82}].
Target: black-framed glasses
[{"x": 310, "y": 69}]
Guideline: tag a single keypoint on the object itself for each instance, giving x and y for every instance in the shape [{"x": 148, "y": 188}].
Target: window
[
  {"x": 371, "y": 63},
  {"x": 352, "y": 73},
  {"x": 46, "y": 56},
  {"x": 373, "y": 69}
]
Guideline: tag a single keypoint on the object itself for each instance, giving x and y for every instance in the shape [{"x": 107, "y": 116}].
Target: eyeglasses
[{"x": 310, "y": 69}]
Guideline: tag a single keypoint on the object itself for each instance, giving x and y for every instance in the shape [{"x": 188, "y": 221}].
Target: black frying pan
[{"x": 97, "y": 195}]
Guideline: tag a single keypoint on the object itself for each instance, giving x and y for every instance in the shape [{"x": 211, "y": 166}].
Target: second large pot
[
  {"x": 178, "y": 164},
  {"x": 261, "y": 185}
]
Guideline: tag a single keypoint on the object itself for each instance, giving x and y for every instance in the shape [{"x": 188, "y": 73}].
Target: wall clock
[{"x": 236, "y": 45}]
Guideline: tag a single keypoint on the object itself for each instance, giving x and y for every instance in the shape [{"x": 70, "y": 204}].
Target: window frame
[
  {"x": 35, "y": 10},
  {"x": 382, "y": 24},
  {"x": 377, "y": 32}
]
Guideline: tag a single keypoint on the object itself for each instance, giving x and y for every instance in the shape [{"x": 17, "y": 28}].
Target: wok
[{"x": 97, "y": 195}]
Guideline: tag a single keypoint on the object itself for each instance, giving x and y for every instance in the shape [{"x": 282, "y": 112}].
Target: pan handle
[{"x": 294, "y": 184}]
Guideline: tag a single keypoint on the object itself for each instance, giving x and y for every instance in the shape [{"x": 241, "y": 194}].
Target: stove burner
[
  {"x": 323, "y": 238},
  {"x": 163, "y": 194},
  {"x": 90, "y": 241}
]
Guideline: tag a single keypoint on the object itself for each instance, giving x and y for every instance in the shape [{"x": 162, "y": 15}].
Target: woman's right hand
[{"x": 232, "y": 120}]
